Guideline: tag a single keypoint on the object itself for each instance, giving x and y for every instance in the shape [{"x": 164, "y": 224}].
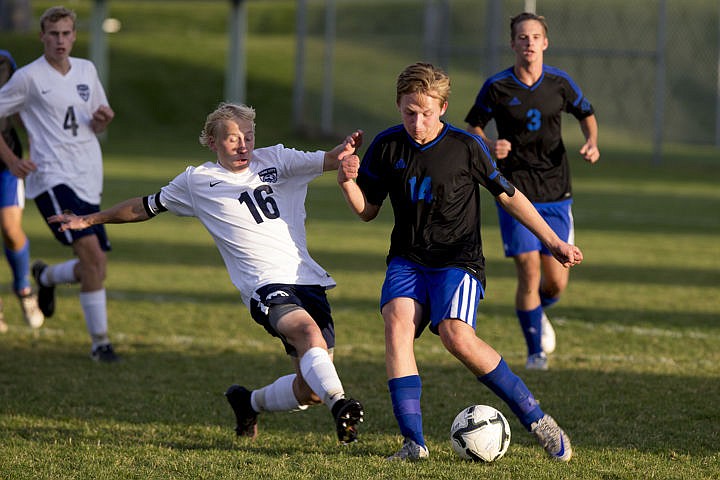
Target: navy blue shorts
[
  {"x": 62, "y": 199},
  {"x": 311, "y": 298}
]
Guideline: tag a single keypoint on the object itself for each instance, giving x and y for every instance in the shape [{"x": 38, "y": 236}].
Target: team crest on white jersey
[
  {"x": 269, "y": 175},
  {"x": 84, "y": 91}
]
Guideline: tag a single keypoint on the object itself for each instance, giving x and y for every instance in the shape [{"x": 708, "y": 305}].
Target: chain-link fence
[{"x": 650, "y": 67}]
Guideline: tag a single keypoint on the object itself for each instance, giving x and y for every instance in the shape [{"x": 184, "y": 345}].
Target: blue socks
[
  {"x": 531, "y": 324},
  {"x": 20, "y": 265},
  {"x": 513, "y": 391},
  {"x": 405, "y": 395},
  {"x": 546, "y": 301}
]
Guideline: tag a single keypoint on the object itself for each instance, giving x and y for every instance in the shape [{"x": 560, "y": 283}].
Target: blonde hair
[
  {"x": 426, "y": 79},
  {"x": 55, "y": 14},
  {"x": 225, "y": 111}
]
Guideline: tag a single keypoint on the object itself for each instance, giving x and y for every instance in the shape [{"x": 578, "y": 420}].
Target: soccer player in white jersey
[
  {"x": 63, "y": 106},
  {"x": 252, "y": 202}
]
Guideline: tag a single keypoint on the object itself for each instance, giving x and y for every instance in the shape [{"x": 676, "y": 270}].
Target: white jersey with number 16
[{"x": 256, "y": 217}]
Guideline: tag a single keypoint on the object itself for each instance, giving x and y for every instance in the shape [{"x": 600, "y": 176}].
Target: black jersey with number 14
[{"x": 434, "y": 193}]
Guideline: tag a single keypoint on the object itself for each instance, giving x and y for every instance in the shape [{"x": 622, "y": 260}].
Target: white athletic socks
[
  {"x": 59, "y": 273},
  {"x": 276, "y": 397},
  {"x": 94, "y": 305},
  {"x": 319, "y": 372}
]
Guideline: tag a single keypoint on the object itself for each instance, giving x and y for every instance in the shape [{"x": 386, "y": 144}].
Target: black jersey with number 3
[
  {"x": 434, "y": 193},
  {"x": 529, "y": 117}
]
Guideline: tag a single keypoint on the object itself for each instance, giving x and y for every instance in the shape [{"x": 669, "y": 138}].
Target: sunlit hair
[
  {"x": 426, "y": 79},
  {"x": 225, "y": 111},
  {"x": 518, "y": 19},
  {"x": 55, "y": 14}
]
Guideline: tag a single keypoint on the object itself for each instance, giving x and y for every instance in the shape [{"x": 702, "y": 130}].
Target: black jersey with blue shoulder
[
  {"x": 529, "y": 117},
  {"x": 435, "y": 194}
]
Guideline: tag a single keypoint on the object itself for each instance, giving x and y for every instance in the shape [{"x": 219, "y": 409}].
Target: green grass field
[{"x": 635, "y": 380}]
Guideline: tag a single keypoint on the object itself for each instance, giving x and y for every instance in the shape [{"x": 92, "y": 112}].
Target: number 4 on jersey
[{"x": 70, "y": 122}]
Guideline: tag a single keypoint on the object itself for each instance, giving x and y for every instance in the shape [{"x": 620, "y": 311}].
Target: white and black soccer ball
[{"x": 480, "y": 433}]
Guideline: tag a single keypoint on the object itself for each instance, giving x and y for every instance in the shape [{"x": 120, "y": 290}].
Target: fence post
[
  {"x": 492, "y": 27},
  {"x": 717, "y": 91},
  {"x": 299, "y": 83},
  {"x": 98, "y": 42},
  {"x": 326, "y": 107},
  {"x": 235, "y": 73},
  {"x": 660, "y": 71}
]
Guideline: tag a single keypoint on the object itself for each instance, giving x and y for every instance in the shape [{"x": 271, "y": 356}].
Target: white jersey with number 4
[
  {"x": 56, "y": 110},
  {"x": 256, "y": 217}
]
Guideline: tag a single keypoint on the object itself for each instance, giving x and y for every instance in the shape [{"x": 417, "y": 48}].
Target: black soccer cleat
[
  {"x": 347, "y": 413},
  {"x": 246, "y": 418},
  {"x": 104, "y": 354},
  {"x": 46, "y": 295}
]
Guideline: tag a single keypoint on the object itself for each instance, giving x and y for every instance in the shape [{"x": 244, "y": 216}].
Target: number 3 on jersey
[
  {"x": 70, "y": 122},
  {"x": 534, "y": 119}
]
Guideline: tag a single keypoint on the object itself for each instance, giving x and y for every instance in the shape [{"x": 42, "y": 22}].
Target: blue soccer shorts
[
  {"x": 442, "y": 292},
  {"x": 12, "y": 190},
  {"x": 518, "y": 239},
  {"x": 61, "y": 199}
]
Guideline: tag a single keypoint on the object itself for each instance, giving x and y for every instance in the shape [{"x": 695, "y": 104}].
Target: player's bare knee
[
  {"x": 453, "y": 337},
  {"x": 553, "y": 288},
  {"x": 95, "y": 268}
]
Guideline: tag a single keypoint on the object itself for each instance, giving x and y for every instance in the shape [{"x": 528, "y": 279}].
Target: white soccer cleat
[
  {"x": 552, "y": 438},
  {"x": 410, "y": 451},
  {"x": 537, "y": 361},
  {"x": 547, "y": 335},
  {"x": 31, "y": 311},
  {"x": 3, "y": 325}
]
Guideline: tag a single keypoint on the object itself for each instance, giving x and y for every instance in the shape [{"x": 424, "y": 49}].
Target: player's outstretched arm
[
  {"x": 354, "y": 196},
  {"x": 351, "y": 143},
  {"x": 132, "y": 210},
  {"x": 520, "y": 207}
]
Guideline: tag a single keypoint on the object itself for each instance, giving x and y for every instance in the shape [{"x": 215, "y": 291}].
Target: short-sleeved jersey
[
  {"x": 56, "y": 110},
  {"x": 529, "y": 117},
  {"x": 434, "y": 193},
  {"x": 256, "y": 217}
]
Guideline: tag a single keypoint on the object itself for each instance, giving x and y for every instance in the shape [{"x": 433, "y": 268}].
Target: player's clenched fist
[{"x": 348, "y": 169}]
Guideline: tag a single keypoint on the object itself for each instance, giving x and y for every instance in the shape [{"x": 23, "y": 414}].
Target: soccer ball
[{"x": 480, "y": 433}]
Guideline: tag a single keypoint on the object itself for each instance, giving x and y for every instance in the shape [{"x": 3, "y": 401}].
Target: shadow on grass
[{"x": 175, "y": 399}]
